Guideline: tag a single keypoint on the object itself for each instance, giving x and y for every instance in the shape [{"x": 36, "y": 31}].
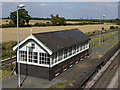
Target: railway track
[
  {"x": 8, "y": 60},
  {"x": 104, "y": 75}
]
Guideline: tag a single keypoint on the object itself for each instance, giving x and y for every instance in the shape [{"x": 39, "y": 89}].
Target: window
[
  {"x": 33, "y": 46},
  {"x": 77, "y": 48},
  {"x": 23, "y": 55},
  {"x": 70, "y": 51},
  {"x": 80, "y": 46},
  {"x": 35, "y": 57},
  {"x": 55, "y": 57},
  {"x": 60, "y": 54},
  {"x": 52, "y": 59},
  {"x": 30, "y": 57},
  {"x": 74, "y": 49},
  {"x": 86, "y": 44},
  {"x": 47, "y": 59},
  {"x": 44, "y": 58},
  {"x": 65, "y": 53}
]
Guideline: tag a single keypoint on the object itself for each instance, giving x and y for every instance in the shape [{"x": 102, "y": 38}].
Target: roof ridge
[{"x": 55, "y": 31}]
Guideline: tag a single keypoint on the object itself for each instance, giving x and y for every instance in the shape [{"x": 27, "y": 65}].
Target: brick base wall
[
  {"x": 32, "y": 70},
  {"x": 66, "y": 64}
]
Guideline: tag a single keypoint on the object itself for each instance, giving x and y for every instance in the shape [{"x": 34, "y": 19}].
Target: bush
[
  {"x": 116, "y": 27},
  {"x": 112, "y": 27},
  {"x": 8, "y": 25},
  {"x": 102, "y": 28},
  {"x": 6, "y": 47}
]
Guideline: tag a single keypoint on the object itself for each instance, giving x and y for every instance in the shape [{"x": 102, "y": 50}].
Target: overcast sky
[{"x": 65, "y": 9}]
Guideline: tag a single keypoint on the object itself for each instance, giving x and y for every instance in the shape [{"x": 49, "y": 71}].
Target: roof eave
[{"x": 34, "y": 38}]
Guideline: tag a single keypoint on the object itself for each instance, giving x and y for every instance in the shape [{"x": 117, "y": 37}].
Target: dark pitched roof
[{"x": 61, "y": 39}]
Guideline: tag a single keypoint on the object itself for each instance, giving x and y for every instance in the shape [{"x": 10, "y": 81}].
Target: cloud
[{"x": 43, "y": 4}]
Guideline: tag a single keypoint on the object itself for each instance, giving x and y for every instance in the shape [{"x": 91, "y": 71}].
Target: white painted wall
[{"x": 37, "y": 47}]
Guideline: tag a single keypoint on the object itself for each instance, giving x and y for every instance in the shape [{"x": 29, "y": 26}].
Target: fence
[{"x": 8, "y": 60}]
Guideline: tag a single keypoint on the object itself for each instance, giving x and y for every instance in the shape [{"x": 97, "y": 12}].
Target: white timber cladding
[
  {"x": 34, "y": 38},
  {"x": 27, "y": 47},
  {"x": 40, "y": 57},
  {"x": 34, "y": 52}
]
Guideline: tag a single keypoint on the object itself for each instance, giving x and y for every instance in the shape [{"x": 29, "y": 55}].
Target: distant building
[
  {"x": 119, "y": 9},
  {"x": 48, "y": 54}
]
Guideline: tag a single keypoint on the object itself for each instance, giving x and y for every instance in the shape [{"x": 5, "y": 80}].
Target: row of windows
[
  {"x": 33, "y": 57},
  {"x": 43, "y": 58},
  {"x": 62, "y": 54}
]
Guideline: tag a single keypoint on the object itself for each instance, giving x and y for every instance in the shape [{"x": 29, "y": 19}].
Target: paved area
[
  {"x": 28, "y": 81},
  {"x": 114, "y": 81},
  {"x": 106, "y": 77},
  {"x": 73, "y": 74},
  {"x": 85, "y": 66}
]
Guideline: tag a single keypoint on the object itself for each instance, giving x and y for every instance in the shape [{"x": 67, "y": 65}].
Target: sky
[
  {"x": 60, "y": 0},
  {"x": 74, "y": 10}
]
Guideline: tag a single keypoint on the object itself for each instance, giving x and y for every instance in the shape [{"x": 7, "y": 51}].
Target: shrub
[
  {"x": 112, "y": 27},
  {"x": 116, "y": 27},
  {"x": 6, "y": 47},
  {"x": 8, "y": 25},
  {"x": 102, "y": 28}
]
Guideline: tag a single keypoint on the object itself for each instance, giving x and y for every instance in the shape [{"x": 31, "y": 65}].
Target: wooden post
[{"x": 11, "y": 60}]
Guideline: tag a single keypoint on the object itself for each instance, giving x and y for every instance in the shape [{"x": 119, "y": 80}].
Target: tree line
[{"x": 24, "y": 19}]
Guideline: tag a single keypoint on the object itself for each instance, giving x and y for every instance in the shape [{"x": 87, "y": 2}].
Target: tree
[
  {"x": 62, "y": 21},
  {"x": 23, "y": 17},
  {"x": 53, "y": 20},
  {"x": 56, "y": 20}
]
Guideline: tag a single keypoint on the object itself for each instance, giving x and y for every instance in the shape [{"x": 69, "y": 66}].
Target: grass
[
  {"x": 6, "y": 48},
  {"x": 94, "y": 43},
  {"x": 6, "y": 71},
  {"x": 60, "y": 85},
  {"x": 114, "y": 43}
]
